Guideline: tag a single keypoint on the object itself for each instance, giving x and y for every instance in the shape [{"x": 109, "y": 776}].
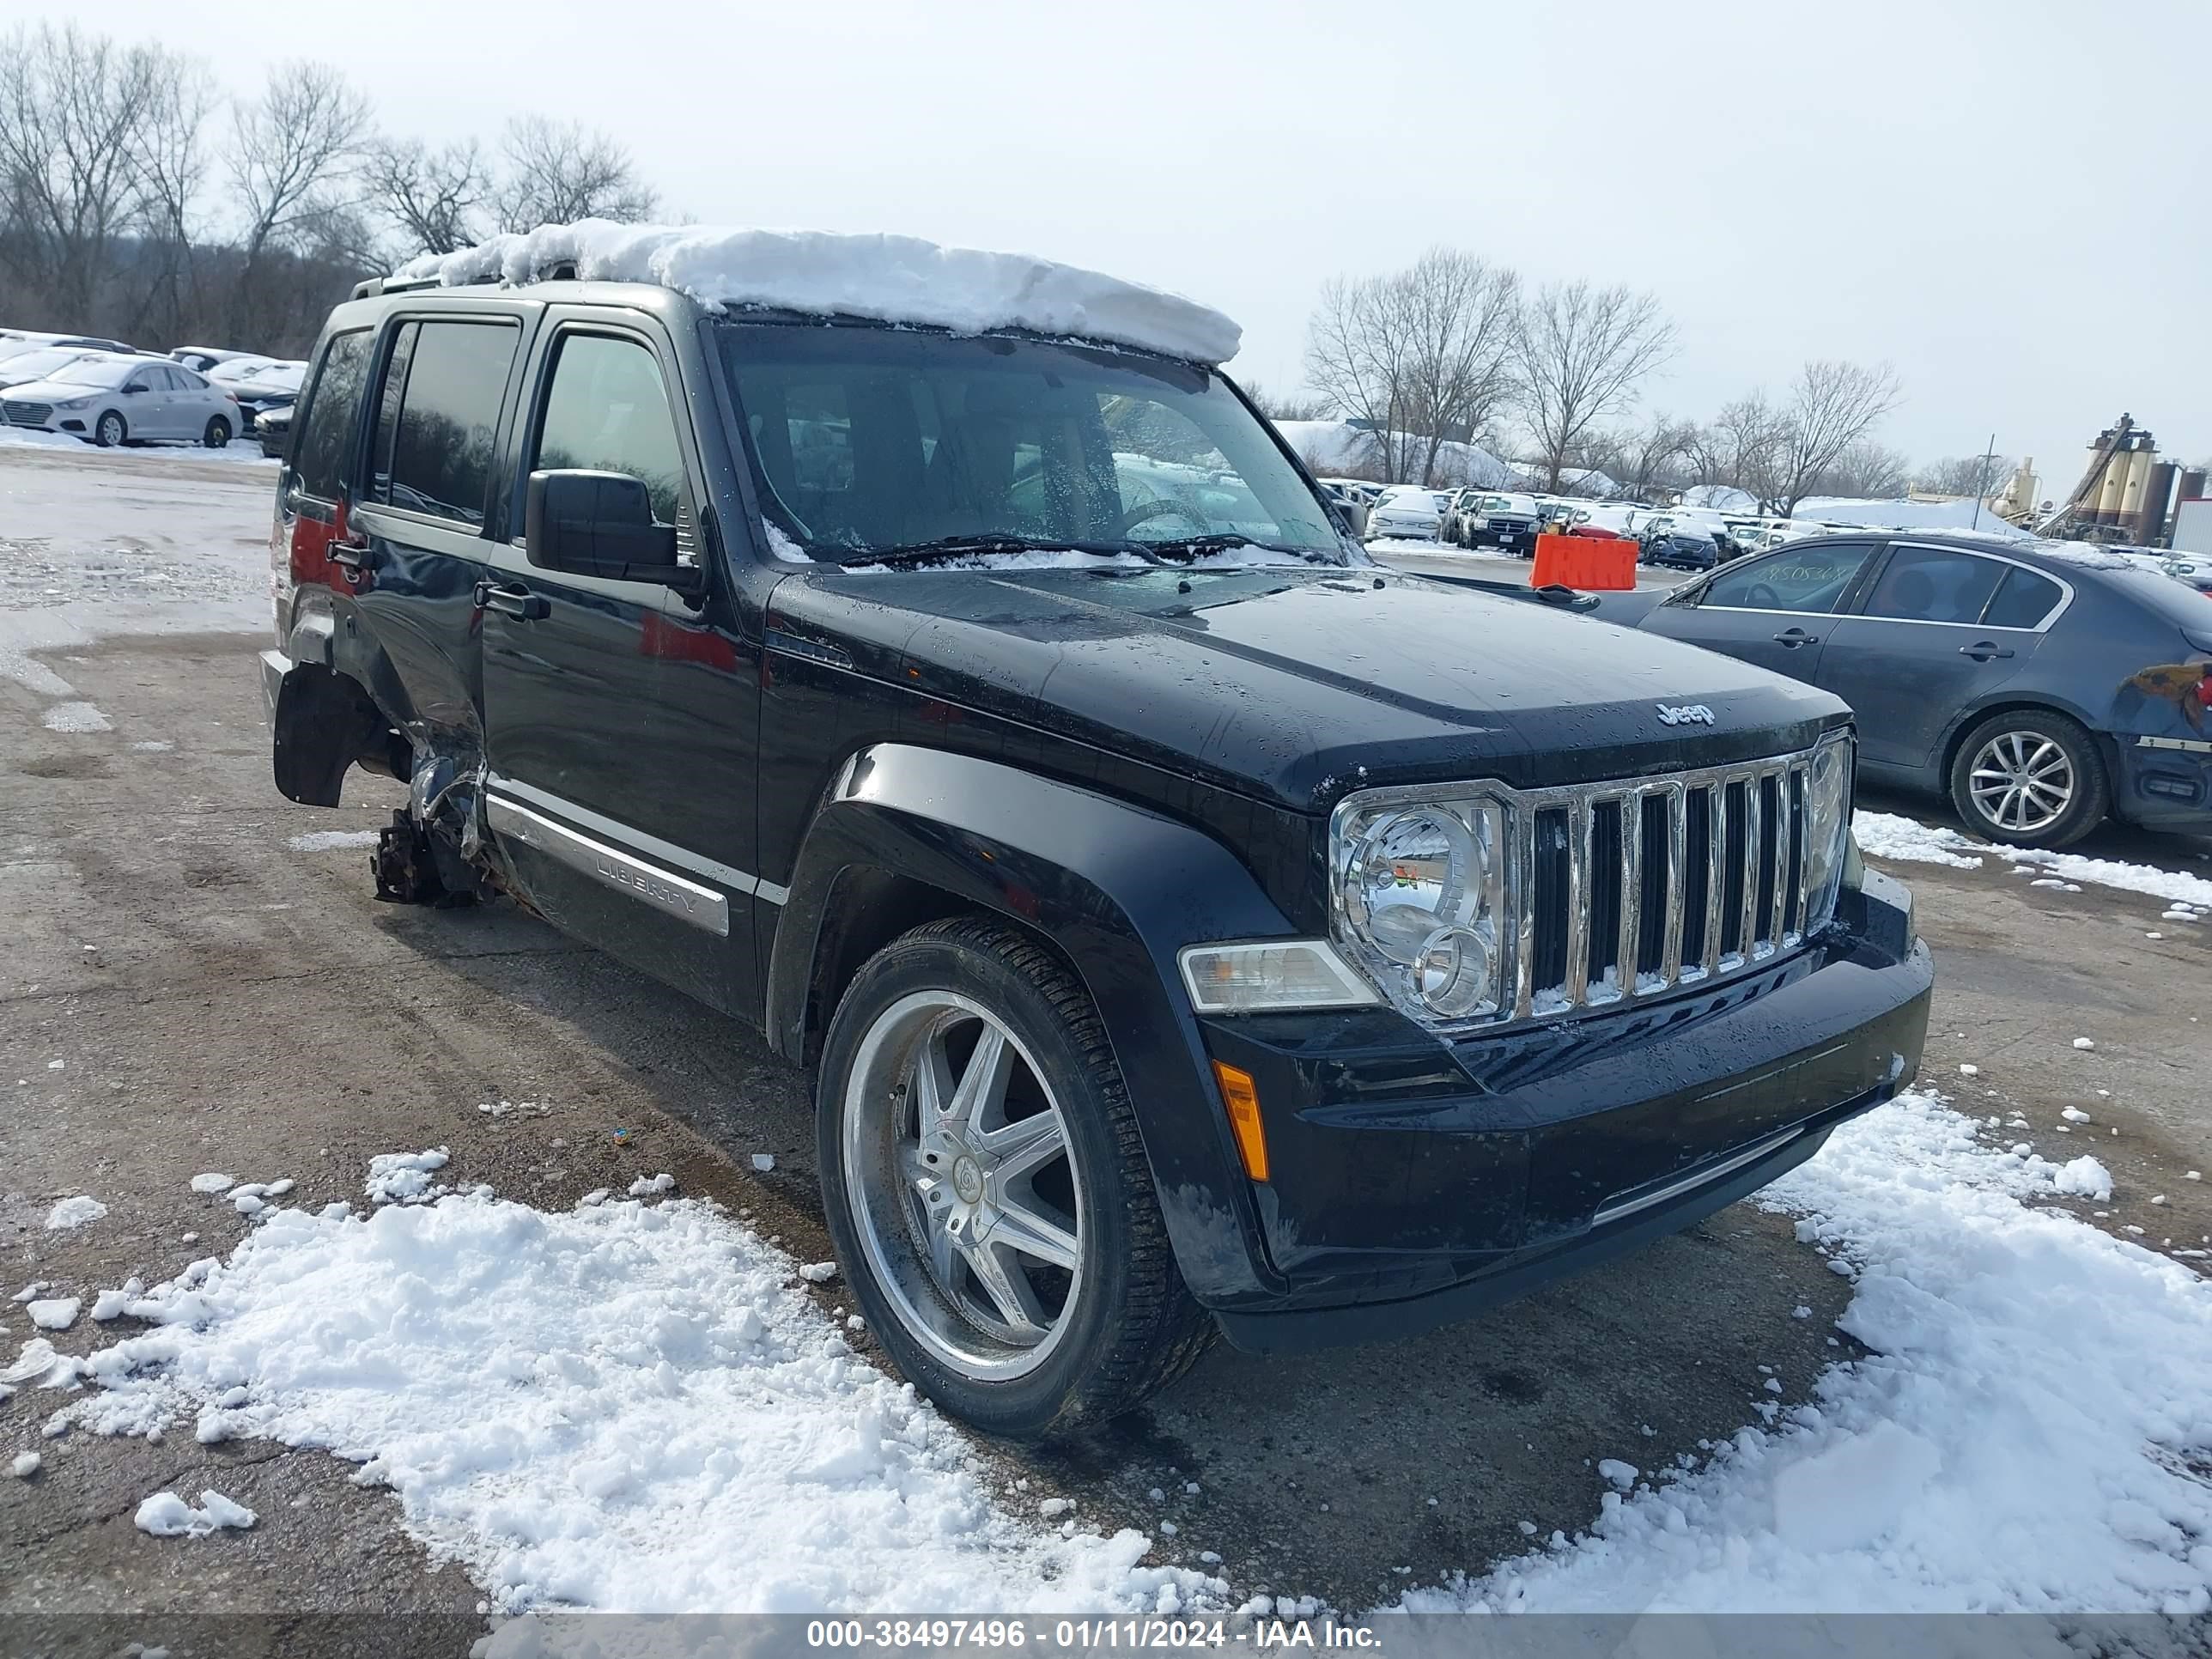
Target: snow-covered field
[{"x": 633, "y": 1405}]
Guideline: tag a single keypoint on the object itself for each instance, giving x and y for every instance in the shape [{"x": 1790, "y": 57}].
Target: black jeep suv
[{"x": 1188, "y": 923}]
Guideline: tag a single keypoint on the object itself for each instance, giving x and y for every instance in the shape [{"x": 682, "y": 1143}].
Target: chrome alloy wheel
[
  {"x": 962, "y": 1183},
  {"x": 2021, "y": 781}
]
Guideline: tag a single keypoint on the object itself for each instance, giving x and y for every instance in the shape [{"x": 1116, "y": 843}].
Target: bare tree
[
  {"x": 1421, "y": 356},
  {"x": 1583, "y": 352},
  {"x": 1965, "y": 475},
  {"x": 290, "y": 149},
  {"x": 1832, "y": 408},
  {"x": 173, "y": 177},
  {"x": 1738, "y": 447},
  {"x": 1287, "y": 406},
  {"x": 431, "y": 197},
  {"x": 77, "y": 112},
  {"x": 558, "y": 173},
  {"x": 1643, "y": 456}
]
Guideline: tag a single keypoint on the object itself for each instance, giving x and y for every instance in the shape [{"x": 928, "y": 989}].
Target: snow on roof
[
  {"x": 1723, "y": 497},
  {"x": 893, "y": 279},
  {"x": 1334, "y": 446},
  {"x": 1908, "y": 515}
]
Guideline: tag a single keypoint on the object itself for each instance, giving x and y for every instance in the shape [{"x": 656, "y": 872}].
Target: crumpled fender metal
[{"x": 1118, "y": 888}]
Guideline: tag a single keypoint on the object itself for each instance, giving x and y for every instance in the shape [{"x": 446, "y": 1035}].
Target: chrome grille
[
  {"x": 21, "y": 414},
  {"x": 1618, "y": 890}
]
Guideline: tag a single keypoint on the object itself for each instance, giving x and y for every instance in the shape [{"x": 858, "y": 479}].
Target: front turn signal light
[{"x": 1243, "y": 1102}]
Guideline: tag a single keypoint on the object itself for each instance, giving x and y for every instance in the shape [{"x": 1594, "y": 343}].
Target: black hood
[{"x": 1297, "y": 685}]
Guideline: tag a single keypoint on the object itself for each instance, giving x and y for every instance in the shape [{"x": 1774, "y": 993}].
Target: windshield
[
  {"x": 872, "y": 443},
  {"x": 38, "y": 365},
  {"x": 95, "y": 371}
]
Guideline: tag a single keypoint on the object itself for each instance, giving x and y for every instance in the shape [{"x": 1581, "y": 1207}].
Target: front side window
[
  {"x": 325, "y": 448},
  {"x": 868, "y": 443},
  {"x": 1810, "y": 579},
  {"x": 441, "y": 443},
  {"x": 607, "y": 411},
  {"x": 1934, "y": 584}
]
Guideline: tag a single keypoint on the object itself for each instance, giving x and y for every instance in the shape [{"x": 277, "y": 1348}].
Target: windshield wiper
[
  {"x": 1189, "y": 549},
  {"x": 940, "y": 548}
]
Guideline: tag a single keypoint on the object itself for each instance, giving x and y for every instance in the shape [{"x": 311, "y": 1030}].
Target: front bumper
[{"x": 1414, "y": 1180}]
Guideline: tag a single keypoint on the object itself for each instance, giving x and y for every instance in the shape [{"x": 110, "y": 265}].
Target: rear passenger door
[
  {"x": 1940, "y": 630},
  {"x": 444, "y": 383}
]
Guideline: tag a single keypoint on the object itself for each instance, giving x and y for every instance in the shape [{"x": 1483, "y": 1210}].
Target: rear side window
[
  {"x": 1934, "y": 584},
  {"x": 2023, "y": 600},
  {"x": 607, "y": 410},
  {"x": 325, "y": 442},
  {"x": 452, "y": 380}
]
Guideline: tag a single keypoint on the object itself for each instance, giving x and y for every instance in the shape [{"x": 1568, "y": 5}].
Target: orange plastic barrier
[{"x": 1582, "y": 562}]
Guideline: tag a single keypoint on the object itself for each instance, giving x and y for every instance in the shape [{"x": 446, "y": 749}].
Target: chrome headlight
[
  {"x": 1828, "y": 827},
  {"x": 1418, "y": 891},
  {"x": 76, "y": 403}
]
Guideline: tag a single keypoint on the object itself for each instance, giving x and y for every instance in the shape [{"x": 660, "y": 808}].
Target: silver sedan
[{"x": 116, "y": 400}]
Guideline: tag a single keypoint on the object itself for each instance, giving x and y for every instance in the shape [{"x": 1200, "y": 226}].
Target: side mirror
[
  {"x": 135, "y": 387},
  {"x": 600, "y": 524}
]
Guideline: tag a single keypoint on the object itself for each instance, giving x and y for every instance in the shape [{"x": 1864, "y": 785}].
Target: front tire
[
  {"x": 2030, "y": 778},
  {"x": 987, "y": 1191},
  {"x": 109, "y": 432},
  {"x": 217, "y": 435}
]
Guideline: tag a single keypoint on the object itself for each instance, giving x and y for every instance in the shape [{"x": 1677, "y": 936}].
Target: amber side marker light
[{"x": 1243, "y": 1102}]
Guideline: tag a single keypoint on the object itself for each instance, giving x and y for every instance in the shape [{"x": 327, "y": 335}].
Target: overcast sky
[{"x": 2009, "y": 200}]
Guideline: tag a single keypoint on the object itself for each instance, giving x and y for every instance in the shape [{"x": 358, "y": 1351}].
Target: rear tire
[
  {"x": 217, "y": 435},
  {"x": 2030, "y": 778},
  {"x": 1093, "y": 1339}
]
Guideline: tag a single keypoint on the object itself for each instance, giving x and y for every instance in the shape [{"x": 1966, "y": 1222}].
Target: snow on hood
[{"x": 893, "y": 279}]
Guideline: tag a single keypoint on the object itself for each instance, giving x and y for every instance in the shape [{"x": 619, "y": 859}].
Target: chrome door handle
[
  {"x": 1795, "y": 637},
  {"x": 518, "y": 602},
  {"x": 1982, "y": 651}
]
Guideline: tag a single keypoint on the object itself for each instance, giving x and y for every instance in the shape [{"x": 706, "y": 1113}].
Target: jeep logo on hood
[{"x": 1689, "y": 713}]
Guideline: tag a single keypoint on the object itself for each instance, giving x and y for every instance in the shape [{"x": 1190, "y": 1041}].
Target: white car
[
  {"x": 1405, "y": 510},
  {"x": 116, "y": 400},
  {"x": 205, "y": 358},
  {"x": 22, "y": 367},
  {"x": 232, "y": 370}
]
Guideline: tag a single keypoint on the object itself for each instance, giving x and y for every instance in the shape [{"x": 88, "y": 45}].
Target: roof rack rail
[{"x": 374, "y": 286}]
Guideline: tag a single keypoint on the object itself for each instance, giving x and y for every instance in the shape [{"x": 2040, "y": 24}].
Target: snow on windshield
[
  {"x": 896, "y": 279},
  {"x": 96, "y": 371}
]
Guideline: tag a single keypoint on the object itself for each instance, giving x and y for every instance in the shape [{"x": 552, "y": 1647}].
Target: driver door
[
  {"x": 149, "y": 405},
  {"x": 1776, "y": 611}
]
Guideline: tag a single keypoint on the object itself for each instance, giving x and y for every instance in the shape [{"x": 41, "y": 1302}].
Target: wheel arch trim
[{"x": 1110, "y": 886}]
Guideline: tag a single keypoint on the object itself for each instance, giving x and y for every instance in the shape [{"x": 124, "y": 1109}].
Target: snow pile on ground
[
  {"x": 1909, "y": 515},
  {"x": 896, "y": 279},
  {"x": 1886, "y": 834},
  {"x": 75, "y": 717},
  {"x": 73, "y": 1212},
  {"x": 402, "y": 1177},
  {"x": 627, "y": 1406},
  {"x": 2031, "y": 1432},
  {"x": 168, "y": 1515},
  {"x": 325, "y": 840}
]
